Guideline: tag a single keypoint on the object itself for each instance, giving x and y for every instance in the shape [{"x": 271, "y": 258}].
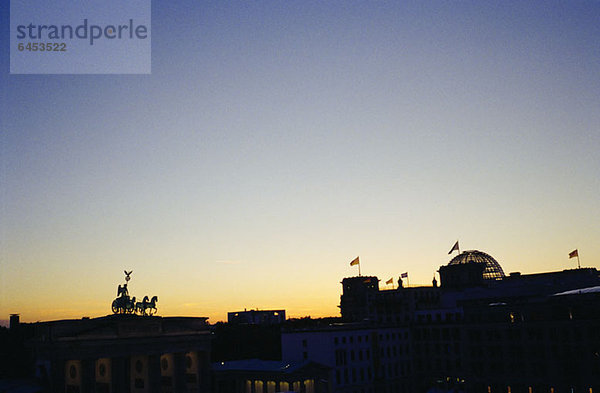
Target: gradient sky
[{"x": 275, "y": 141}]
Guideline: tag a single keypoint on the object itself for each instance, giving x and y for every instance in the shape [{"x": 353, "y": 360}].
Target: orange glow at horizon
[{"x": 277, "y": 142}]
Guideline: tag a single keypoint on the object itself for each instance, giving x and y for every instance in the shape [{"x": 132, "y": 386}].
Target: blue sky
[{"x": 275, "y": 141}]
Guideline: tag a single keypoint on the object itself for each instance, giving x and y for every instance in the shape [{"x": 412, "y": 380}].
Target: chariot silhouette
[{"x": 124, "y": 304}]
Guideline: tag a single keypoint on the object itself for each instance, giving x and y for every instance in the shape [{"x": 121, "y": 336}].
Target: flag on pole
[
  {"x": 390, "y": 281},
  {"x": 404, "y": 275},
  {"x": 573, "y": 254},
  {"x": 355, "y": 261},
  {"x": 454, "y": 247}
]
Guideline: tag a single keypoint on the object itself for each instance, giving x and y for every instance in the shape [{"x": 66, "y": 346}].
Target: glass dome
[{"x": 492, "y": 271}]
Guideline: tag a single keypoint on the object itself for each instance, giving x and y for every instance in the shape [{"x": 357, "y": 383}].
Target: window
[
  {"x": 309, "y": 386},
  {"x": 340, "y": 357}
]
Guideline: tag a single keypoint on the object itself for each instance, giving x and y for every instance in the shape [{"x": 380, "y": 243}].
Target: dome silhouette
[{"x": 492, "y": 271}]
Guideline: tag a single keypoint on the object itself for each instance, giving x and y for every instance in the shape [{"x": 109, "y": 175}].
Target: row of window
[
  {"x": 439, "y": 318},
  {"x": 355, "y": 375},
  {"x": 435, "y": 333},
  {"x": 576, "y": 333},
  {"x": 565, "y": 333},
  {"x": 365, "y": 338},
  {"x": 531, "y": 389},
  {"x": 359, "y": 339},
  {"x": 341, "y": 355},
  {"x": 425, "y": 349},
  {"x": 307, "y": 386}
]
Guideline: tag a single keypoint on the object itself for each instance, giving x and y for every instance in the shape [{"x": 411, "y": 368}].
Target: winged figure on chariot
[{"x": 124, "y": 304}]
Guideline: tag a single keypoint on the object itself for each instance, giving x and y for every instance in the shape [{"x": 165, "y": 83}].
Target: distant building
[
  {"x": 362, "y": 301},
  {"x": 123, "y": 353},
  {"x": 270, "y": 376},
  {"x": 256, "y": 317},
  {"x": 14, "y": 321},
  {"x": 357, "y": 298},
  {"x": 361, "y": 358},
  {"x": 479, "y": 331},
  {"x": 243, "y": 341}
]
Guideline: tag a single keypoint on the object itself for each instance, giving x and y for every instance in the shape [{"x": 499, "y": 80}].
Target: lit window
[{"x": 309, "y": 386}]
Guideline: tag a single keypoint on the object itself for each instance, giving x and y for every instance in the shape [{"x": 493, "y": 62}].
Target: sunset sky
[{"x": 275, "y": 141}]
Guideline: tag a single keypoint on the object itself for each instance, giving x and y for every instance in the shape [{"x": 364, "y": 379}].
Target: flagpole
[
  {"x": 359, "y": 268},
  {"x": 575, "y": 253}
]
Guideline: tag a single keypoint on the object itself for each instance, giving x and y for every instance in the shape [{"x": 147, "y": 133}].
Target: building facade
[
  {"x": 269, "y": 376},
  {"x": 362, "y": 359},
  {"x": 479, "y": 331},
  {"x": 123, "y": 353},
  {"x": 256, "y": 317}
]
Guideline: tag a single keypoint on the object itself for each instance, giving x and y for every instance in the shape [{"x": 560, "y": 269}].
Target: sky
[{"x": 275, "y": 141}]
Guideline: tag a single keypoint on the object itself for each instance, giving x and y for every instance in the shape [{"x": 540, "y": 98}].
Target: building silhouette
[
  {"x": 123, "y": 353},
  {"x": 270, "y": 376},
  {"x": 479, "y": 331},
  {"x": 256, "y": 317}
]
